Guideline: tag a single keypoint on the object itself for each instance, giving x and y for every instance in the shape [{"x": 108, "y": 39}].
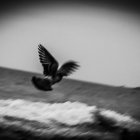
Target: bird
[{"x": 51, "y": 70}]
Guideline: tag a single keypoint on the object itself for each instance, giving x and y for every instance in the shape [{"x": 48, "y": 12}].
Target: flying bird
[{"x": 52, "y": 74}]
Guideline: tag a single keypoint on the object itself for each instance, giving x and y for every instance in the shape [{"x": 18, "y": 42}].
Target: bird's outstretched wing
[
  {"x": 67, "y": 68},
  {"x": 49, "y": 63}
]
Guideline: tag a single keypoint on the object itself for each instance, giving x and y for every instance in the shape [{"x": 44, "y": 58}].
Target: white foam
[
  {"x": 116, "y": 116},
  {"x": 70, "y": 113}
]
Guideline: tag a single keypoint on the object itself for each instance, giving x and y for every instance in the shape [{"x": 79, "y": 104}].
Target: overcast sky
[{"x": 105, "y": 42}]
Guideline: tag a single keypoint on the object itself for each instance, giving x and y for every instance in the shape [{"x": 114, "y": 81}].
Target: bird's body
[
  {"x": 51, "y": 72},
  {"x": 42, "y": 84}
]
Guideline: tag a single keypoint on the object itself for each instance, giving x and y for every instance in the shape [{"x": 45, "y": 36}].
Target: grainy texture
[{"x": 17, "y": 85}]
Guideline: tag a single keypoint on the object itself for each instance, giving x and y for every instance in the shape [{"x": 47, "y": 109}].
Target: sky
[{"x": 104, "y": 40}]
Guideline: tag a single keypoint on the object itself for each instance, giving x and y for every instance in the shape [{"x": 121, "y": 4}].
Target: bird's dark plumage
[
  {"x": 41, "y": 84},
  {"x": 50, "y": 69},
  {"x": 48, "y": 62}
]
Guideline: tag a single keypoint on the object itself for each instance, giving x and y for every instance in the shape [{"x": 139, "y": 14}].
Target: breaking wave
[{"x": 68, "y": 119}]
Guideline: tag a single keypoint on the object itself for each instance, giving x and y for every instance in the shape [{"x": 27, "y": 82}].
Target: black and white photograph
[{"x": 69, "y": 70}]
